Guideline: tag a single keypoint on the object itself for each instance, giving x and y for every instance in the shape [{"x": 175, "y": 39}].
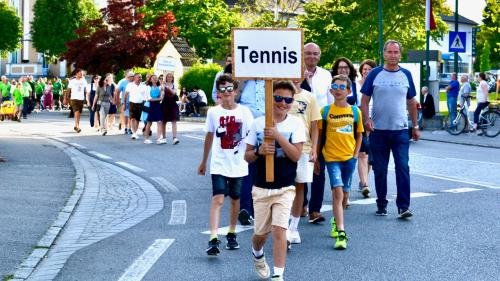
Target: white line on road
[
  {"x": 100, "y": 155},
  {"x": 421, "y": 194},
  {"x": 461, "y": 190},
  {"x": 179, "y": 212},
  {"x": 165, "y": 184},
  {"x": 457, "y": 180},
  {"x": 224, "y": 230},
  {"x": 77, "y": 145},
  {"x": 59, "y": 139},
  {"x": 194, "y": 137},
  {"x": 131, "y": 167},
  {"x": 143, "y": 264}
]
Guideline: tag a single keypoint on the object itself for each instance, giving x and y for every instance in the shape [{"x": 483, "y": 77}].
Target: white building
[{"x": 465, "y": 60}]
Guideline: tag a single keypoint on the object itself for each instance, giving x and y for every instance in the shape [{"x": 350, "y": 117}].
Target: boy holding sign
[
  {"x": 273, "y": 200},
  {"x": 341, "y": 141}
]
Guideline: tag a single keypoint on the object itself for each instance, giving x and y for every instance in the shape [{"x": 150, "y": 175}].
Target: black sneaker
[
  {"x": 244, "y": 217},
  {"x": 404, "y": 213},
  {"x": 381, "y": 212},
  {"x": 213, "y": 247},
  {"x": 232, "y": 244}
]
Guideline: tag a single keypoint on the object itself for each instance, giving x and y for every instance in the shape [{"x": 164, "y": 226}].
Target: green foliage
[
  {"x": 143, "y": 71},
  {"x": 55, "y": 22},
  {"x": 10, "y": 29},
  {"x": 350, "y": 28},
  {"x": 205, "y": 24},
  {"x": 261, "y": 13},
  {"x": 490, "y": 32},
  {"x": 201, "y": 75},
  {"x": 485, "y": 57}
]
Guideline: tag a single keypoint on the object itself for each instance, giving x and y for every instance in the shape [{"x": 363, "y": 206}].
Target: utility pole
[
  {"x": 380, "y": 32},
  {"x": 455, "y": 55}
]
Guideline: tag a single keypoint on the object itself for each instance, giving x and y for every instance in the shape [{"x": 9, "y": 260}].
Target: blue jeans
[
  {"x": 452, "y": 107},
  {"x": 222, "y": 185},
  {"x": 246, "y": 202},
  {"x": 340, "y": 173},
  {"x": 382, "y": 142}
]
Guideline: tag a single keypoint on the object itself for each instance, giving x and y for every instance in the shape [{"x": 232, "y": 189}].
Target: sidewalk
[{"x": 464, "y": 138}]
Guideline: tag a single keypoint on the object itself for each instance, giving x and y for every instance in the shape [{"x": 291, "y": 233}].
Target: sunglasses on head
[
  {"x": 228, "y": 88},
  {"x": 337, "y": 86},
  {"x": 287, "y": 100}
]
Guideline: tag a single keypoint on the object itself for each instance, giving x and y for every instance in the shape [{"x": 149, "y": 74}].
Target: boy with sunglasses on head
[
  {"x": 272, "y": 201},
  {"x": 341, "y": 140},
  {"x": 230, "y": 123}
]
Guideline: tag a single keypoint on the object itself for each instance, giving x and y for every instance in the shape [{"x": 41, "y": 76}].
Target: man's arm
[
  {"x": 365, "y": 103},
  {"x": 314, "y": 140},
  {"x": 412, "y": 109},
  {"x": 209, "y": 138}
]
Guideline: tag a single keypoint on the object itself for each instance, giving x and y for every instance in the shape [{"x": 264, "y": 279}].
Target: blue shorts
[
  {"x": 227, "y": 186},
  {"x": 340, "y": 173}
]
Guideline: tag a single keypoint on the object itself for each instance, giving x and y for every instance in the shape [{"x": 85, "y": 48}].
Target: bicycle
[{"x": 489, "y": 122}]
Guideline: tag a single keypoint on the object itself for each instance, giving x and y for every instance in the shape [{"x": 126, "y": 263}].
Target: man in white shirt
[
  {"x": 76, "y": 89},
  {"x": 317, "y": 81},
  {"x": 136, "y": 93},
  {"x": 200, "y": 101}
]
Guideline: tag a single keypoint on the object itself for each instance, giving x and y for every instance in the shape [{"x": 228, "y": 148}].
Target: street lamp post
[
  {"x": 380, "y": 32},
  {"x": 455, "y": 56}
]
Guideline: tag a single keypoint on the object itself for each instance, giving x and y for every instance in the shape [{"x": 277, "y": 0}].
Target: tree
[
  {"x": 120, "y": 38},
  {"x": 261, "y": 13},
  {"x": 55, "y": 23},
  {"x": 485, "y": 57},
  {"x": 10, "y": 29},
  {"x": 205, "y": 24},
  {"x": 347, "y": 28},
  {"x": 489, "y": 33}
]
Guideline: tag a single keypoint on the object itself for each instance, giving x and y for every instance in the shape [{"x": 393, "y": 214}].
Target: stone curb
[{"x": 27, "y": 267}]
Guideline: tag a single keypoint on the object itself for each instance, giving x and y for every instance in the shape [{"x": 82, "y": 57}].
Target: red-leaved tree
[{"x": 120, "y": 39}]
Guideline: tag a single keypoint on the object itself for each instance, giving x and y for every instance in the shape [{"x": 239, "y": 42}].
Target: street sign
[
  {"x": 166, "y": 63},
  {"x": 457, "y": 42}
]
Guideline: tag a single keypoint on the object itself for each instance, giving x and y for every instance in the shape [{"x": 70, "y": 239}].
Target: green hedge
[{"x": 201, "y": 75}]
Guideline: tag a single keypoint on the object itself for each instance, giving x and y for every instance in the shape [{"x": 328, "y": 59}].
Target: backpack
[{"x": 326, "y": 110}]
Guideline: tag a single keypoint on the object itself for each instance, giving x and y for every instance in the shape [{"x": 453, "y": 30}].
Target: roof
[
  {"x": 461, "y": 19},
  {"x": 188, "y": 56}
]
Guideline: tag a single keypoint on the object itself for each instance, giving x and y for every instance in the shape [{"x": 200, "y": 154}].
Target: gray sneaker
[{"x": 261, "y": 267}]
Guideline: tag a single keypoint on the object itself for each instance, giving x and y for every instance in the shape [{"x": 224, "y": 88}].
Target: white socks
[
  {"x": 258, "y": 253},
  {"x": 294, "y": 223},
  {"x": 278, "y": 271}
]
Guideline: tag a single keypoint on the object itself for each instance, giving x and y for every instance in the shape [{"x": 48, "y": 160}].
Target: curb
[
  {"x": 193, "y": 119},
  {"x": 460, "y": 143},
  {"x": 26, "y": 268}
]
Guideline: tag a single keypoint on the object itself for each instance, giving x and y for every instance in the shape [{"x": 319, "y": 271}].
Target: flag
[{"x": 430, "y": 23}]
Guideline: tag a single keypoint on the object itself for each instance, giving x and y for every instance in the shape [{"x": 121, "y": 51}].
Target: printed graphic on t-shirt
[
  {"x": 342, "y": 123},
  {"x": 302, "y": 107},
  {"x": 229, "y": 132},
  {"x": 279, "y": 152}
]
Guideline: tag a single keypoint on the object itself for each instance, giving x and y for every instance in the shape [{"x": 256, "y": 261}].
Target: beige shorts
[
  {"x": 305, "y": 169},
  {"x": 271, "y": 207}
]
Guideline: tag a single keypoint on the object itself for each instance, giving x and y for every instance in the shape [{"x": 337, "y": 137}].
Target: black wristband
[{"x": 256, "y": 151}]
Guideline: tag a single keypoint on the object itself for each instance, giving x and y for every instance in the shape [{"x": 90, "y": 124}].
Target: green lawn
[{"x": 443, "y": 108}]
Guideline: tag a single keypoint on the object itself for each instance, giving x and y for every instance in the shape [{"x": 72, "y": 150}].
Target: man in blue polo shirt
[
  {"x": 451, "y": 96},
  {"x": 392, "y": 89}
]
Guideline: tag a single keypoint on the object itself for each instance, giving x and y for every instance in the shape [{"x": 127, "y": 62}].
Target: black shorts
[
  {"x": 227, "y": 186},
  {"x": 135, "y": 111}
]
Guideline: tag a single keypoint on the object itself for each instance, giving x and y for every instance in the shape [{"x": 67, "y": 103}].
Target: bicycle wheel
[
  {"x": 458, "y": 125},
  {"x": 491, "y": 125}
]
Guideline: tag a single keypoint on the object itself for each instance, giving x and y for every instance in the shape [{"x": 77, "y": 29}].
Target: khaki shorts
[
  {"x": 271, "y": 207},
  {"x": 77, "y": 105}
]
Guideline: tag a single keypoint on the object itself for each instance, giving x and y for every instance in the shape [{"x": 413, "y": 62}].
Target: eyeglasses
[
  {"x": 337, "y": 86},
  {"x": 228, "y": 88},
  {"x": 312, "y": 53},
  {"x": 288, "y": 100},
  {"x": 343, "y": 67}
]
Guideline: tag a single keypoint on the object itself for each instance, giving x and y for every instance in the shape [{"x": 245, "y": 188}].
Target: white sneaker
[
  {"x": 134, "y": 136},
  {"x": 175, "y": 141},
  {"x": 148, "y": 141},
  {"x": 163, "y": 141},
  {"x": 293, "y": 236},
  {"x": 158, "y": 141},
  {"x": 261, "y": 267}
]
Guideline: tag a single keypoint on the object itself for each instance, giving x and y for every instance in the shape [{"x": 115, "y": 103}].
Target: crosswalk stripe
[
  {"x": 179, "y": 212},
  {"x": 461, "y": 190}
]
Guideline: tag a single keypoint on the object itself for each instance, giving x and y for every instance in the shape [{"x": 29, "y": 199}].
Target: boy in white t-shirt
[{"x": 229, "y": 123}]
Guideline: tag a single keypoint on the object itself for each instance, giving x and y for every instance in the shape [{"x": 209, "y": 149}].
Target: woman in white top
[
  {"x": 363, "y": 166},
  {"x": 481, "y": 96}
]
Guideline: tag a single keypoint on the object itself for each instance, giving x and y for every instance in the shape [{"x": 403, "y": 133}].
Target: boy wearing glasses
[
  {"x": 272, "y": 201},
  {"x": 230, "y": 123},
  {"x": 341, "y": 141}
]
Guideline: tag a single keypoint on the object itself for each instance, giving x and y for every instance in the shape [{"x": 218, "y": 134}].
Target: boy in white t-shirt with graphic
[{"x": 229, "y": 122}]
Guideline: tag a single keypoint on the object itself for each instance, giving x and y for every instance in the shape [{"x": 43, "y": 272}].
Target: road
[{"x": 145, "y": 211}]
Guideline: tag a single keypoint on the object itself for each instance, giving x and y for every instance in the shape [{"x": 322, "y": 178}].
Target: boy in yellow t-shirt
[{"x": 342, "y": 127}]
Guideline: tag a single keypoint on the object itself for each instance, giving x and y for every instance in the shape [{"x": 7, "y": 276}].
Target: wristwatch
[{"x": 416, "y": 127}]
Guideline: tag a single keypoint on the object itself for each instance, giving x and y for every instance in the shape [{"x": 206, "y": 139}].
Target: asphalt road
[{"x": 452, "y": 236}]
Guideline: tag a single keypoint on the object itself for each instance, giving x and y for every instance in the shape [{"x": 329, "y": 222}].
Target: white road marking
[
  {"x": 461, "y": 190},
  {"x": 194, "y": 137},
  {"x": 77, "y": 145},
  {"x": 179, "y": 211},
  {"x": 58, "y": 139},
  {"x": 224, "y": 230},
  {"x": 421, "y": 194},
  {"x": 143, "y": 264},
  {"x": 102, "y": 156},
  {"x": 131, "y": 167},
  {"x": 165, "y": 184},
  {"x": 457, "y": 180}
]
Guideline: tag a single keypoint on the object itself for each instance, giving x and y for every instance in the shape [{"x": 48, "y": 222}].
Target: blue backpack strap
[
  {"x": 326, "y": 109},
  {"x": 355, "y": 113}
]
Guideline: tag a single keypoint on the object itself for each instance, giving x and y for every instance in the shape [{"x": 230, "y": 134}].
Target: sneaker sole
[
  {"x": 213, "y": 252},
  {"x": 340, "y": 248},
  {"x": 317, "y": 220},
  {"x": 381, "y": 215},
  {"x": 232, "y": 248},
  {"x": 405, "y": 216}
]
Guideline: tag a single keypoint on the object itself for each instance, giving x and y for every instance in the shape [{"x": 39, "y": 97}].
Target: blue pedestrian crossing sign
[{"x": 457, "y": 42}]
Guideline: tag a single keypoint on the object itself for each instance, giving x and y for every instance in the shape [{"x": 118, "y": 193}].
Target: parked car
[{"x": 444, "y": 80}]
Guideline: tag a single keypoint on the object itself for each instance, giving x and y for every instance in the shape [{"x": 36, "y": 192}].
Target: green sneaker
[
  {"x": 334, "y": 232},
  {"x": 341, "y": 243}
]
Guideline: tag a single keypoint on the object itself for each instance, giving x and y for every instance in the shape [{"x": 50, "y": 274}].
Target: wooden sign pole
[{"x": 269, "y": 124}]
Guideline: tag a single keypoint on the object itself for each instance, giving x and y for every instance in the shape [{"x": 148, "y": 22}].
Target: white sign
[
  {"x": 267, "y": 53},
  {"x": 166, "y": 63}
]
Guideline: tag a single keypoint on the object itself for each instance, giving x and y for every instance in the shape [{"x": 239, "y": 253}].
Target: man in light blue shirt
[{"x": 253, "y": 96}]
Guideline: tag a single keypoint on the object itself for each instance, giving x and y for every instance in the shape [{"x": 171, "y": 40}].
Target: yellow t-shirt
[
  {"x": 306, "y": 108},
  {"x": 340, "y": 141}
]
